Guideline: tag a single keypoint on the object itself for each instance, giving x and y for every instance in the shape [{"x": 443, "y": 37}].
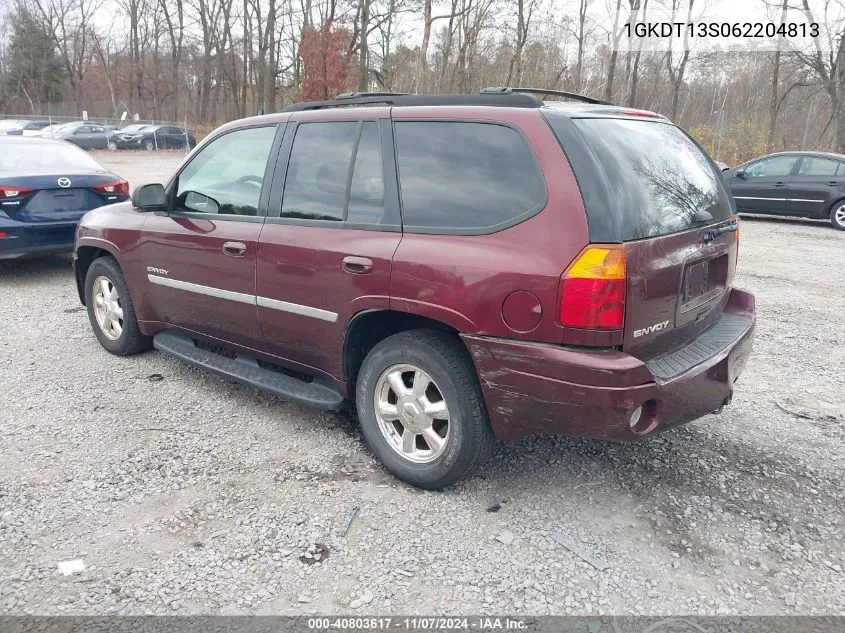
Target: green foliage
[{"x": 35, "y": 72}]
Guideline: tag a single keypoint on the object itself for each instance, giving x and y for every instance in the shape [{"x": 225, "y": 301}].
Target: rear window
[
  {"x": 641, "y": 178},
  {"x": 465, "y": 177},
  {"x": 33, "y": 156}
]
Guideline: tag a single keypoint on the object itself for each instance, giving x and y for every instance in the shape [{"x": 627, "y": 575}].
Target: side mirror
[
  {"x": 149, "y": 198},
  {"x": 740, "y": 173}
]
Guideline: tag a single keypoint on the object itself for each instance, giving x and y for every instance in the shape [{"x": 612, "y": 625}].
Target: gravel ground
[{"x": 190, "y": 494}]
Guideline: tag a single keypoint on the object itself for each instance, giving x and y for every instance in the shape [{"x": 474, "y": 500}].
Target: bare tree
[{"x": 829, "y": 67}]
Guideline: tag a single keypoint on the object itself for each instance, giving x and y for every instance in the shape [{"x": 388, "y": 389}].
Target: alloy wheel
[
  {"x": 412, "y": 413},
  {"x": 107, "y": 308},
  {"x": 839, "y": 215}
]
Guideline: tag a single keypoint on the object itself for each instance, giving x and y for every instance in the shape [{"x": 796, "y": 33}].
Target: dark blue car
[{"x": 46, "y": 186}]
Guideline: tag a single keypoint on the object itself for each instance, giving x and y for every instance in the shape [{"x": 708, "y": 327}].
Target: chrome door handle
[
  {"x": 234, "y": 249},
  {"x": 357, "y": 265}
]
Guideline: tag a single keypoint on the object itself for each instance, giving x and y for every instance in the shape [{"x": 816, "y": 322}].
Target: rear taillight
[
  {"x": 593, "y": 289},
  {"x": 9, "y": 191},
  {"x": 118, "y": 186},
  {"x": 736, "y": 217}
]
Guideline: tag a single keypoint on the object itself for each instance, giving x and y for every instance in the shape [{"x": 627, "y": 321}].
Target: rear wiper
[{"x": 712, "y": 234}]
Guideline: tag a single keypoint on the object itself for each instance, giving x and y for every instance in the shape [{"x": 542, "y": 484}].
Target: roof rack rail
[
  {"x": 543, "y": 91},
  {"x": 513, "y": 100},
  {"x": 357, "y": 95}
]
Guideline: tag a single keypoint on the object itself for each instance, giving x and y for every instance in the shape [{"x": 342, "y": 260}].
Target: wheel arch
[
  {"x": 833, "y": 204},
  {"x": 84, "y": 255},
  {"x": 369, "y": 327}
]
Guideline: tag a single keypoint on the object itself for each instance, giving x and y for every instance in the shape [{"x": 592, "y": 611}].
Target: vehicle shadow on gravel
[
  {"x": 688, "y": 463},
  {"x": 35, "y": 268}
]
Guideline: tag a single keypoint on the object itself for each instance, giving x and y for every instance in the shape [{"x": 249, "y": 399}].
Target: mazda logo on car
[{"x": 64, "y": 182}]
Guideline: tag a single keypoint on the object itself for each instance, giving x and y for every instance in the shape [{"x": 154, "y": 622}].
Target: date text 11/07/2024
[{"x": 418, "y": 623}]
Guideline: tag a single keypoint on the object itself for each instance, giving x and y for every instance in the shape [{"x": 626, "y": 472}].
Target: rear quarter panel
[{"x": 464, "y": 280}]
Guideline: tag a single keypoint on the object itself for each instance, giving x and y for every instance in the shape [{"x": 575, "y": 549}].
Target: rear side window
[
  {"x": 465, "y": 177},
  {"x": 640, "y": 178},
  {"x": 811, "y": 166}
]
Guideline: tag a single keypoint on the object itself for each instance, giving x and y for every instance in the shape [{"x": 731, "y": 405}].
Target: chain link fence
[{"x": 49, "y": 126}]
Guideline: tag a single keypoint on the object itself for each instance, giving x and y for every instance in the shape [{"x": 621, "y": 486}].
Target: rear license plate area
[
  {"x": 703, "y": 280},
  {"x": 51, "y": 201},
  {"x": 696, "y": 281}
]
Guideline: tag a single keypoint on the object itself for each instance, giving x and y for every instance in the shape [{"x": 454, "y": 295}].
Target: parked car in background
[
  {"x": 151, "y": 137},
  {"x": 46, "y": 186},
  {"x": 50, "y": 130},
  {"x": 10, "y": 125},
  {"x": 490, "y": 299},
  {"x": 85, "y": 135},
  {"x": 27, "y": 128},
  {"x": 801, "y": 184}
]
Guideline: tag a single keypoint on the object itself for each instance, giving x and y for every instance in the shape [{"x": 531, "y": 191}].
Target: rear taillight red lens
[
  {"x": 10, "y": 191},
  {"x": 593, "y": 289},
  {"x": 736, "y": 217},
  {"x": 118, "y": 186}
]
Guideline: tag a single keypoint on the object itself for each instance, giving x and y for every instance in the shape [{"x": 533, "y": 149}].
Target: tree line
[{"x": 207, "y": 61}]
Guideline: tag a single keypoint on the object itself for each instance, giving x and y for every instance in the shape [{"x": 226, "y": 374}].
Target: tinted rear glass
[
  {"x": 52, "y": 156},
  {"x": 465, "y": 177},
  {"x": 654, "y": 179}
]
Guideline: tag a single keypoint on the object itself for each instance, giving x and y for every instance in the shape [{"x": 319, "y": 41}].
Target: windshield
[
  {"x": 60, "y": 156},
  {"x": 656, "y": 180}
]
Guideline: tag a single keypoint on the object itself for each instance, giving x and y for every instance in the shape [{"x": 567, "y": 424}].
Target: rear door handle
[
  {"x": 234, "y": 249},
  {"x": 780, "y": 184},
  {"x": 833, "y": 183},
  {"x": 357, "y": 265}
]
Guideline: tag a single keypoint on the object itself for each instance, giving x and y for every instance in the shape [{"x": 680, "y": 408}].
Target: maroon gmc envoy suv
[{"x": 461, "y": 267}]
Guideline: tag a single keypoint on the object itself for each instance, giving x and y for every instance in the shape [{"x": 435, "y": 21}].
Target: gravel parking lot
[{"x": 190, "y": 494}]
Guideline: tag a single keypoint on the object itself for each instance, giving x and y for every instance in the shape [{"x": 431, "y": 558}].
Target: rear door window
[
  {"x": 812, "y": 166},
  {"x": 640, "y": 178},
  {"x": 465, "y": 177},
  {"x": 319, "y": 184}
]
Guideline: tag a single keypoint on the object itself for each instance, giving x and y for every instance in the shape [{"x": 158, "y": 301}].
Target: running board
[{"x": 246, "y": 370}]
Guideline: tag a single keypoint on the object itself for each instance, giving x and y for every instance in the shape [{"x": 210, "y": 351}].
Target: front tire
[
  {"x": 111, "y": 311},
  {"x": 421, "y": 409},
  {"x": 837, "y": 215}
]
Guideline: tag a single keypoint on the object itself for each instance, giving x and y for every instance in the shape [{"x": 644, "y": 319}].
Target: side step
[{"x": 246, "y": 370}]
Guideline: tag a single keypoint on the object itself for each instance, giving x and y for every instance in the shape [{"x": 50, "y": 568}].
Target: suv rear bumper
[{"x": 533, "y": 388}]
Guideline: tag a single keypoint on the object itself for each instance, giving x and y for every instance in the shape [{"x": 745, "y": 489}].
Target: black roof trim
[
  {"x": 512, "y": 100},
  {"x": 545, "y": 91}
]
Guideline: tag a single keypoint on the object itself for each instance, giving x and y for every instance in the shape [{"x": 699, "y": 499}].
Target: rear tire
[
  {"x": 837, "y": 215},
  {"x": 112, "y": 146},
  {"x": 422, "y": 384},
  {"x": 149, "y": 145},
  {"x": 111, "y": 311}
]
